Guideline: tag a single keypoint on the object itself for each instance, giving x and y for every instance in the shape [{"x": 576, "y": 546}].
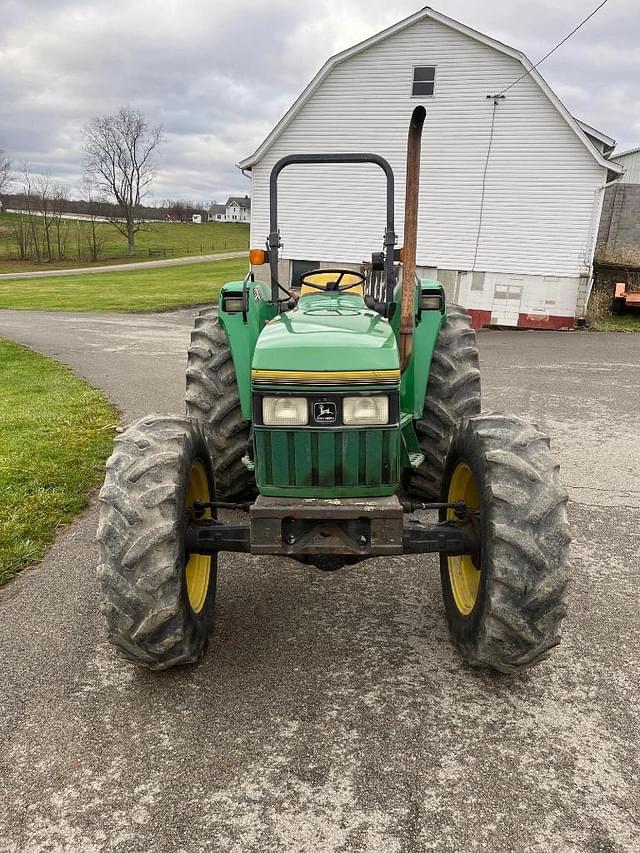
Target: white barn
[{"x": 511, "y": 188}]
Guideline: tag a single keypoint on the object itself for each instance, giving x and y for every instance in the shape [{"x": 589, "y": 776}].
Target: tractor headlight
[
  {"x": 232, "y": 303},
  {"x": 430, "y": 301},
  {"x": 365, "y": 411},
  {"x": 285, "y": 411}
]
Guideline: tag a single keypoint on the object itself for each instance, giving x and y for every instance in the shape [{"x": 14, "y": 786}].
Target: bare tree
[
  {"x": 94, "y": 234},
  {"x": 6, "y": 176},
  {"x": 19, "y": 224},
  {"x": 119, "y": 157},
  {"x": 42, "y": 194},
  {"x": 59, "y": 199},
  {"x": 22, "y": 233},
  {"x": 31, "y": 206},
  {"x": 40, "y": 227}
]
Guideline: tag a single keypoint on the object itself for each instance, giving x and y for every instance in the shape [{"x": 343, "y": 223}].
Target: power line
[
  {"x": 484, "y": 182},
  {"x": 496, "y": 99},
  {"x": 553, "y": 49}
]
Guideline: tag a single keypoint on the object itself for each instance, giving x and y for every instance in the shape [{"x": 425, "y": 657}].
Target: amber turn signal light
[{"x": 257, "y": 257}]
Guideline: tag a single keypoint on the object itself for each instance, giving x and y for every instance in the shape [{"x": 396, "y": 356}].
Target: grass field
[
  {"x": 55, "y": 435},
  {"x": 184, "y": 238},
  {"x": 143, "y": 290},
  {"x": 624, "y": 323},
  {"x": 601, "y": 319}
]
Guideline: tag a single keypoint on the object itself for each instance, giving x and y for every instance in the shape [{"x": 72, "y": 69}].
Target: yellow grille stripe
[{"x": 325, "y": 377}]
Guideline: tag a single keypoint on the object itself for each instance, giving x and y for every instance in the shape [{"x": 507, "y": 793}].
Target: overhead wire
[
  {"x": 484, "y": 183},
  {"x": 496, "y": 98},
  {"x": 553, "y": 49}
]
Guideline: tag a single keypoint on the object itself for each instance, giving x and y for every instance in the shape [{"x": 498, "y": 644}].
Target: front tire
[
  {"x": 212, "y": 398},
  {"x": 505, "y": 608},
  {"x": 453, "y": 392},
  {"x": 157, "y": 600}
]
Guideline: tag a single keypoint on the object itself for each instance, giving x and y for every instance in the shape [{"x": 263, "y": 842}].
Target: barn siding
[
  {"x": 631, "y": 163},
  {"x": 541, "y": 188}
]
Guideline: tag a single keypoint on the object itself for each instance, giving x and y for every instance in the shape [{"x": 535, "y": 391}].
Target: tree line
[{"x": 18, "y": 200}]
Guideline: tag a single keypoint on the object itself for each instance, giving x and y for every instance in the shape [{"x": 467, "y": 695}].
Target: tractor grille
[{"x": 316, "y": 461}]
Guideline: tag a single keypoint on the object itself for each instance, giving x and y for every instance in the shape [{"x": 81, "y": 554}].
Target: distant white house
[
  {"x": 237, "y": 209},
  {"x": 511, "y": 187},
  {"x": 216, "y": 213}
]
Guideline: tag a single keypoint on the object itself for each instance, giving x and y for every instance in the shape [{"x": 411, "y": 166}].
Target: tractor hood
[{"x": 327, "y": 332}]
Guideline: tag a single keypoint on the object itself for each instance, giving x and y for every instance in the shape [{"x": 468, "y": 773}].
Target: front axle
[{"x": 359, "y": 528}]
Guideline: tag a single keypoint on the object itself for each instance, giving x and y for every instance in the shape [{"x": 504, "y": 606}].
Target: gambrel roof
[{"x": 422, "y": 14}]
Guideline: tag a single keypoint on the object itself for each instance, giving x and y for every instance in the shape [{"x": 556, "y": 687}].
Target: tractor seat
[{"x": 326, "y": 278}]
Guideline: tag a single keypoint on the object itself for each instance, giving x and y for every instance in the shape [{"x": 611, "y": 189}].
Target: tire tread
[
  {"x": 453, "y": 392},
  {"x": 140, "y": 565},
  {"x": 212, "y": 397},
  {"x": 527, "y": 582}
]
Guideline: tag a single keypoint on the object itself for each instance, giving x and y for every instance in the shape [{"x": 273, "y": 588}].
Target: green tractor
[{"x": 343, "y": 421}]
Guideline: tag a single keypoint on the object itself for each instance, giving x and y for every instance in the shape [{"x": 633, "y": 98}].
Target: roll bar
[{"x": 274, "y": 243}]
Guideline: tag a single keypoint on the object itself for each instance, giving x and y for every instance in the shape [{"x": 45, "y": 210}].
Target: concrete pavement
[
  {"x": 141, "y": 265},
  {"x": 331, "y": 712}
]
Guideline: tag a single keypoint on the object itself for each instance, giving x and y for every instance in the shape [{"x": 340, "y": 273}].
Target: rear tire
[
  {"x": 157, "y": 617},
  {"x": 212, "y": 398},
  {"x": 520, "y": 589},
  {"x": 453, "y": 392}
]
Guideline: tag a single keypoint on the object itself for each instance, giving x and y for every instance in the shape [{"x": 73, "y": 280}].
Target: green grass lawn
[
  {"x": 143, "y": 290},
  {"x": 56, "y": 432},
  {"x": 624, "y": 323},
  {"x": 184, "y": 238}
]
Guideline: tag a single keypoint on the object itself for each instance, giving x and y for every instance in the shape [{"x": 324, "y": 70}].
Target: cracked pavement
[{"x": 331, "y": 712}]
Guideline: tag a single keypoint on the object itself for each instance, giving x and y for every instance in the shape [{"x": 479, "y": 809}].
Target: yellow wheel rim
[
  {"x": 198, "y": 569},
  {"x": 464, "y": 577}
]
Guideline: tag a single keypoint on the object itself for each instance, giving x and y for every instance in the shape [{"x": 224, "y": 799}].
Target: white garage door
[{"x": 505, "y": 308}]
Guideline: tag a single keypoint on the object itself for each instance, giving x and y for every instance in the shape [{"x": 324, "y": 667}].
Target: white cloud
[{"x": 218, "y": 75}]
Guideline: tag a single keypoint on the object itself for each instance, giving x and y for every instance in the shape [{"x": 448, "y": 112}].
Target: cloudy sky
[{"x": 218, "y": 74}]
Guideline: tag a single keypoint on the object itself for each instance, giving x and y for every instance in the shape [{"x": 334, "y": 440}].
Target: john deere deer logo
[{"x": 324, "y": 413}]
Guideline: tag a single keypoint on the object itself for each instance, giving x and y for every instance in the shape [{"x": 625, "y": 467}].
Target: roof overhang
[
  {"x": 619, "y": 154},
  {"x": 432, "y": 14},
  {"x": 608, "y": 141}
]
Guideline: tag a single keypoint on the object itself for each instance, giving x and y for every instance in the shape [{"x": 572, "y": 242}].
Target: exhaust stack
[{"x": 407, "y": 307}]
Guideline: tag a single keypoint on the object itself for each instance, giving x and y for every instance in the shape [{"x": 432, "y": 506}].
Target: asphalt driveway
[{"x": 331, "y": 712}]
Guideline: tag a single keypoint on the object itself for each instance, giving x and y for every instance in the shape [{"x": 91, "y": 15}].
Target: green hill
[{"x": 155, "y": 240}]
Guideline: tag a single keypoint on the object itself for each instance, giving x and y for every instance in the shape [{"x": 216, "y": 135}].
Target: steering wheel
[{"x": 333, "y": 286}]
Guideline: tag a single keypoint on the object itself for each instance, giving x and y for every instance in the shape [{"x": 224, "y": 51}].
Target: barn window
[{"x": 423, "y": 80}]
